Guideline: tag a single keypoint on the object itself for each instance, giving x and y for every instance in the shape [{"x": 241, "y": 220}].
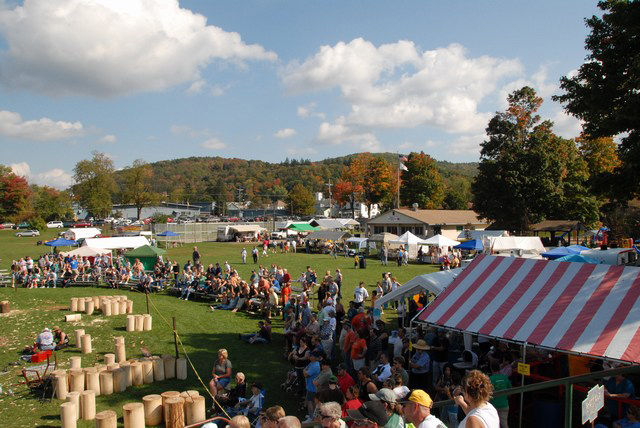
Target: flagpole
[{"x": 398, "y": 190}]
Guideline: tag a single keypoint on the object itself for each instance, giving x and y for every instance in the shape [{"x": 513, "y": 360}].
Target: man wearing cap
[
  {"x": 311, "y": 372},
  {"x": 388, "y": 398},
  {"x": 417, "y": 410},
  {"x": 44, "y": 341},
  {"x": 420, "y": 365},
  {"x": 371, "y": 414}
]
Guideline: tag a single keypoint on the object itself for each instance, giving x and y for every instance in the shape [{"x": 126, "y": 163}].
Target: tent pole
[
  {"x": 568, "y": 404},
  {"x": 524, "y": 359}
]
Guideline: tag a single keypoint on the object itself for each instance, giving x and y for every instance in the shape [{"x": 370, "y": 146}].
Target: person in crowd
[
  {"x": 444, "y": 391},
  {"x": 238, "y": 421},
  {"x": 44, "y": 341},
  {"x": 195, "y": 256},
  {"x": 289, "y": 422},
  {"x": 631, "y": 419},
  {"x": 473, "y": 397},
  {"x": 360, "y": 294},
  {"x": 417, "y": 410},
  {"x": 310, "y": 373},
  {"x": 345, "y": 381},
  {"x": 372, "y": 414},
  {"x": 419, "y": 366},
  {"x": 331, "y": 415},
  {"x": 398, "y": 369},
  {"x": 439, "y": 354},
  {"x": 262, "y": 336},
  {"x": 617, "y": 386},
  {"x": 253, "y": 405},
  {"x": 359, "y": 350},
  {"x": 270, "y": 417},
  {"x": 367, "y": 385},
  {"x": 388, "y": 398},
  {"x": 399, "y": 388},
  {"x": 232, "y": 396},
  {"x": 383, "y": 371},
  {"x": 60, "y": 338},
  {"x": 499, "y": 382},
  {"x": 221, "y": 373},
  {"x": 352, "y": 399}
]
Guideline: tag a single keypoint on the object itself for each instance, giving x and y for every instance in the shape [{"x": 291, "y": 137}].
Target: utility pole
[{"x": 330, "y": 205}]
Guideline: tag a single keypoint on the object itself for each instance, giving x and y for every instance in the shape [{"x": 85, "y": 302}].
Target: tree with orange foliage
[{"x": 15, "y": 196}]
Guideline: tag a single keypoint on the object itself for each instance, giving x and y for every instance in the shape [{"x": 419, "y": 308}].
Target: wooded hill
[{"x": 204, "y": 178}]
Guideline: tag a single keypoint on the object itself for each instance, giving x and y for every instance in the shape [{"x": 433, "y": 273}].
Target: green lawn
[{"x": 202, "y": 331}]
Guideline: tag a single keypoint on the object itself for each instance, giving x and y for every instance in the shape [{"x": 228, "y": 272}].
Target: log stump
[
  {"x": 5, "y": 307},
  {"x": 133, "y": 415},
  {"x": 106, "y": 383},
  {"x": 107, "y": 419},
  {"x": 88, "y": 405},
  {"x": 181, "y": 368},
  {"x": 195, "y": 409},
  {"x": 174, "y": 413},
  {"x": 68, "y": 415},
  {"x": 152, "y": 409}
]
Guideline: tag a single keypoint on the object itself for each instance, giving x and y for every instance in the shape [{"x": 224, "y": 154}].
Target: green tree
[
  {"x": 527, "y": 173},
  {"x": 300, "y": 200},
  {"x": 15, "y": 196},
  {"x": 51, "y": 204},
  {"x": 95, "y": 184},
  {"x": 457, "y": 193},
  {"x": 605, "y": 93},
  {"x": 137, "y": 186},
  {"x": 421, "y": 183}
]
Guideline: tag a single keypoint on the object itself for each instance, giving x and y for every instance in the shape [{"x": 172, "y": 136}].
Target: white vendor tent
[
  {"x": 76, "y": 233},
  {"x": 410, "y": 242},
  {"x": 87, "y": 252},
  {"x": 433, "y": 282},
  {"x": 516, "y": 245},
  {"x": 115, "y": 243},
  {"x": 440, "y": 241},
  {"x": 469, "y": 235},
  {"x": 611, "y": 256},
  {"x": 247, "y": 230},
  {"x": 579, "y": 308}
]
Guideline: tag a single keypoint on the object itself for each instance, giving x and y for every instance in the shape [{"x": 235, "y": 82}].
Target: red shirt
[
  {"x": 286, "y": 278},
  {"x": 357, "y": 350},
  {"x": 354, "y": 404},
  {"x": 344, "y": 382},
  {"x": 360, "y": 321},
  {"x": 285, "y": 292}
]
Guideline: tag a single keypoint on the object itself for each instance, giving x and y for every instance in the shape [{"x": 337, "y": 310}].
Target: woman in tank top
[{"x": 473, "y": 396}]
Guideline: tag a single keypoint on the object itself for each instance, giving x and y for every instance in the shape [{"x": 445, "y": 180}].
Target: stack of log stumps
[{"x": 107, "y": 305}]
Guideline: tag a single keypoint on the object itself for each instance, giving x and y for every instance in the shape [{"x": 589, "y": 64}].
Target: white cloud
[
  {"x": 196, "y": 87},
  {"x": 339, "y": 133},
  {"x": 566, "y": 125},
  {"x": 44, "y": 129},
  {"x": 285, "y": 133},
  {"x": 213, "y": 144},
  {"x": 200, "y": 85},
  {"x": 216, "y": 90},
  {"x": 308, "y": 111},
  {"x": 110, "y": 47},
  {"x": 187, "y": 131},
  {"x": 108, "y": 139},
  {"x": 55, "y": 177}
]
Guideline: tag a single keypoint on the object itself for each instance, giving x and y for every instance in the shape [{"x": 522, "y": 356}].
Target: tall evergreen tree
[{"x": 421, "y": 182}]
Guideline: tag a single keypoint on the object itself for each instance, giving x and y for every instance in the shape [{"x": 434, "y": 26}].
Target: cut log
[
  {"x": 129, "y": 306},
  {"x": 169, "y": 366},
  {"x": 92, "y": 380},
  {"x": 107, "y": 419},
  {"x": 74, "y": 304},
  {"x": 121, "y": 354},
  {"x": 165, "y": 396},
  {"x": 106, "y": 383},
  {"x": 68, "y": 415},
  {"x": 152, "y": 409},
  {"x": 181, "y": 368},
  {"x": 76, "y": 362},
  {"x": 72, "y": 317},
  {"x": 174, "y": 412},
  {"x": 118, "y": 339},
  {"x": 136, "y": 374},
  {"x": 5, "y": 307},
  {"x": 133, "y": 415},
  {"x": 88, "y": 307},
  {"x": 109, "y": 359},
  {"x": 195, "y": 409},
  {"x": 131, "y": 323},
  {"x": 106, "y": 308},
  {"x": 126, "y": 366},
  {"x": 76, "y": 380},
  {"x": 139, "y": 322},
  {"x": 119, "y": 380},
  {"x": 61, "y": 384},
  {"x": 115, "y": 307},
  {"x": 74, "y": 397},
  {"x": 147, "y": 322},
  {"x": 158, "y": 369},
  {"x": 123, "y": 307},
  {"x": 81, "y": 304},
  {"x": 189, "y": 394},
  {"x": 88, "y": 405},
  {"x": 147, "y": 371},
  {"x": 79, "y": 333},
  {"x": 86, "y": 343}
]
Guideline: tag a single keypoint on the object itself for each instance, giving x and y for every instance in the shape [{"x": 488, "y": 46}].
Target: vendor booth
[
  {"x": 147, "y": 255},
  {"x": 515, "y": 246},
  {"x": 82, "y": 233},
  {"x": 431, "y": 282},
  {"x": 117, "y": 243},
  {"x": 558, "y": 252},
  {"x": 410, "y": 242},
  {"x": 356, "y": 245}
]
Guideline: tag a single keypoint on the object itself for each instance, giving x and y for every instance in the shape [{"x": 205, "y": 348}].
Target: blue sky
[{"x": 158, "y": 79}]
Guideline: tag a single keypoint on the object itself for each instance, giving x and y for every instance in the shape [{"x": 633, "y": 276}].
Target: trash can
[{"x": 363, "y": 262}]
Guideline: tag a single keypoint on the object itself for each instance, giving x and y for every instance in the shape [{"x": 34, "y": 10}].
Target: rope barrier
[{"x": 187, "y": 356}]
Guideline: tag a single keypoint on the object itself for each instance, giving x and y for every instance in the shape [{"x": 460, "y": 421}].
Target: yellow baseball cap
[{"x": 418, "y": 396}]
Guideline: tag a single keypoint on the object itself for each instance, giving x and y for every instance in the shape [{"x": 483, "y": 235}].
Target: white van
[{"x": 55, "y": 225}]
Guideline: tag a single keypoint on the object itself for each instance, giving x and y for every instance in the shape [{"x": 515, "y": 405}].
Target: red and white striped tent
[{"x": 574, "y": 307}]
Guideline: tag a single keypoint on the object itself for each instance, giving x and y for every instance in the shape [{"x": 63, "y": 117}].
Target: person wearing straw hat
[
  {"x": 417, "y": 410},
  {"x": 420, "y": 365}
]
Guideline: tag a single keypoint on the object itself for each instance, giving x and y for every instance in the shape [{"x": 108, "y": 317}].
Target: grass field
[{"x": 203, "y": 332}]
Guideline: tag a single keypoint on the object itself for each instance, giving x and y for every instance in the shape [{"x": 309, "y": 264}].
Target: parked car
[
  {"x": 55, "y": 225},
  {"x": 27, "y": 233},
  {"x": 7, "y": 225},
  {"x": 83, "y": 224},
  {"x": 23, "y": 225}
]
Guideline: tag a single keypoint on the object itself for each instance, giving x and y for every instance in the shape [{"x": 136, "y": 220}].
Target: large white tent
[
  {"x": 116, "y": 243},
  {"x": 76, "y": 233},
  {"x": 517, "y": 245},
  {"x": 480, "y": 234},
  {"x": 410, "y": 242},
  {"x": 440, "y": 241},
  {"x": 433, "y": 282},
  {"x": 87, "y": 252}
]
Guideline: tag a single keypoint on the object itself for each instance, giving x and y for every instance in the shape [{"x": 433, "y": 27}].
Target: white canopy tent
[
  {"x": 480, "y": 234},
  {"x": 611, "y": 256},
  {"x": 433, "y": 282},
  {"x": 115, "y": 243},
  {"x": 87, "y": 252},
  {"x": 440, "y": 241},
  {"x": 76, "y": 233},
  {"x": 513, "y": 245},
  {"x": 410, "y": 242}
]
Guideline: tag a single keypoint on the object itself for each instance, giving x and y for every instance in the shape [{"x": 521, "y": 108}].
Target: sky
[{"x": 271, "y": 79}]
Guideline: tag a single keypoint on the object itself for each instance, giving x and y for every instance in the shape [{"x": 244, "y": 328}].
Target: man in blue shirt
[
  {"x": 420, "y": 366},
  {"x": 311, "y": 372},
  {"x": 618, "y": 386}
]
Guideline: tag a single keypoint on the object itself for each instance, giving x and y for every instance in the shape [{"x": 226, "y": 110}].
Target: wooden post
[
  {"x": 126, "y": 366},
  {"x": 81, "y": 304},
  {"x": 86, "y": 343},
  {"x": 106, "y": 307},
  {"x": 76, "y": 380},
  {"x": 181, "y": 368},
  {"x": 68, "y": 415},
  {"x": 129, "y": 306},
  {"x": 158, "y": 369},
  {"x": 107, "y": 419},
  {"x": 169, "y": 363},
  {"x": 92, "y": 378},
  {"x": 88, "y": 307},
  {"x": 76, "y": 362},
  {"x": 119, "y": 380},
  {"x": 152, "y": 409},
  {"x": 118, "y": 339},
  {"x": 139, "y": 323},
  {"x": 133, "y": 415},
  {"x": 88, "y": 405},
  {"x": 189, "y": 394},
  {"x": 174, "y": 414},
  {"x": 136, "y": 374},
  {"x": 106, "y": 383},
  {"x": 147, "y": 371},
  {"x": 79, "y": 333},
  {"x": 147, "y": 322},
  {"x": 74, "y": 304},
  {"x": 123, "y": 307},
  {"x": 131, "y": 322},
  {"x": 61, "y": 384},
  {"x": 74, "y": 397},
  {"x": 4, "y": 307},
  {"x": 175, "y": 336},
  {"x": 121, "y": 354},
  {"x": 166, "y": 396},
  {"x": 195, "y": 410},
  {"x": 115, "y": 307},
  {"x": 109, "y": 359}
]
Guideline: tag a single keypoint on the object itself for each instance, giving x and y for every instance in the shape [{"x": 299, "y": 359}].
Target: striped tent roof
[{"x": 574, "y": 307}]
